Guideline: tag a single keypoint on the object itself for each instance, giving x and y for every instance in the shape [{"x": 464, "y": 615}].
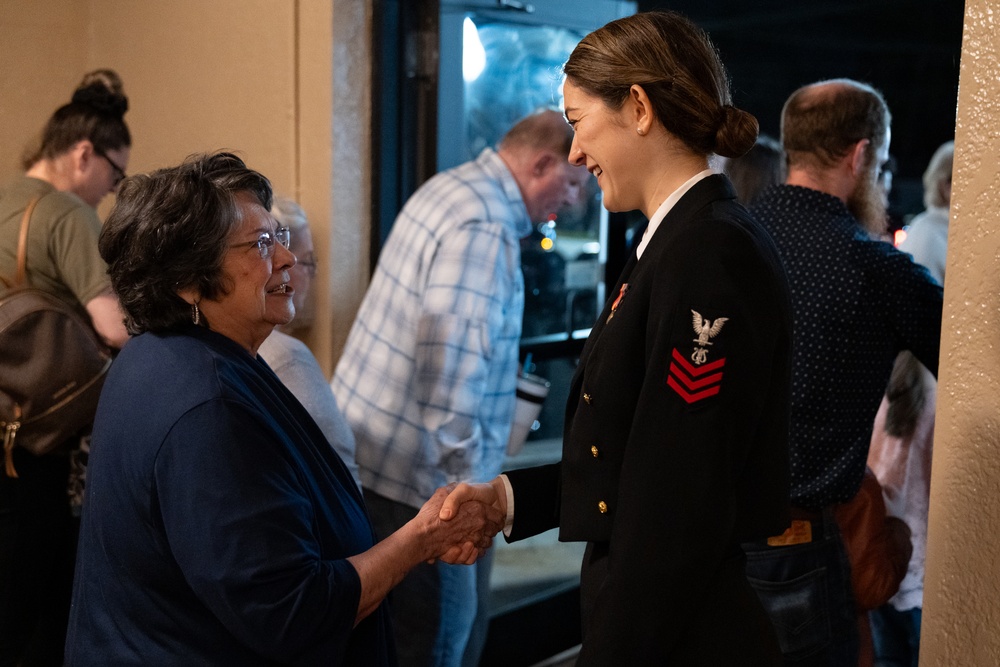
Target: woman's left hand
[
  {"x": 459, "y": 540},
  {"x": 467, "y": 532}
]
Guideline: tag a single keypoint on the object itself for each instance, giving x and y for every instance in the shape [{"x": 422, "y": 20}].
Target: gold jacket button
[
  {"x": 594, "y": 451},
  {"x": 602, "y": 507},
  {"x": 586, "y": 399}
]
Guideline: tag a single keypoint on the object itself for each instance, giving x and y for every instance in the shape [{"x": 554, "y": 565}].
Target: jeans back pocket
[{"x": 798, "y": 610}]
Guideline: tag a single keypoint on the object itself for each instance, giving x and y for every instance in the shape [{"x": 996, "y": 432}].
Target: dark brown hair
[
  {"x": 676, "y": 64},
  {"x": 907, "y": 396},
  {"x": 96, "y": 112},
  {"x": 169, "y": 230},
  {"x": 821, "y": 122},
  {"x": 758, "y": 169}
]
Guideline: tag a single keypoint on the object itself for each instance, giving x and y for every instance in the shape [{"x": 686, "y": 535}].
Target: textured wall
[
  {"x": 962, "y": 589},
  {"x": 203, "y": 76},
  {"x": 42, "y": 58}
]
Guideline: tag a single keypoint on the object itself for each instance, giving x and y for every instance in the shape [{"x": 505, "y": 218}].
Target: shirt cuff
[{"x": 508, "y": 523}]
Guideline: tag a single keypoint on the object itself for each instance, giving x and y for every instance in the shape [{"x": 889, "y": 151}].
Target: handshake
[{"x": 459, "y": 521}]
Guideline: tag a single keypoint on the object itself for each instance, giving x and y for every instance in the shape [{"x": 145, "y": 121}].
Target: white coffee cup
[{"x": 531, "y": 393}]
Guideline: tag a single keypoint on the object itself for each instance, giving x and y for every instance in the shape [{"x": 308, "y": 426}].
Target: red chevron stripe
[
  {"x": 695, "y": 371},
  {"x": 694, "y": 384},
  {"x": 689, "y": 397}
]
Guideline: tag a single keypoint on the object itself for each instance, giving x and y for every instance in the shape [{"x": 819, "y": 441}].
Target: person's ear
[
  {"x": 542, "y": 163},
  {"x": 83, "y": 154},
  {"x": 859, "y": 157},
  {"x": 640, "y": 109}
]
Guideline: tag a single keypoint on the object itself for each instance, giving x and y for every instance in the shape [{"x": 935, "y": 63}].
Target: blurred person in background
[
  {"x": 427, "y": 378},
  {"x": 82, "y": 156},
  {"x": 758, "y": 169},
  {"x": 288, "y": 356},
  {"x": 857, "y": 302},
  {"x": 903, "y": 436}
]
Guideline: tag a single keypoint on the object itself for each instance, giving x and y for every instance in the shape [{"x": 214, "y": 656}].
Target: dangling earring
[{"x": 195, "y": 314}]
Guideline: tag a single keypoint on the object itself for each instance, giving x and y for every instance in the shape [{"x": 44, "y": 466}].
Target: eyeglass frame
[
  {"x": 265, "y": 242},
  {"x": 120, "y": 174}
]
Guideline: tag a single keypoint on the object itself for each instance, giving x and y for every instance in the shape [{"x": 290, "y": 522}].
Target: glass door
[{"x": 499, "y": 61}]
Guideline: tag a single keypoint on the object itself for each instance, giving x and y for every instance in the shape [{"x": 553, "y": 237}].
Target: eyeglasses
[
  {"x": 265, "y": 242},
  {"x": 120, "y": 174}
]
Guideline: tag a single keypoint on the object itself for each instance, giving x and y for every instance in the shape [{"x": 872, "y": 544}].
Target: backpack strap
[
  {"x": 22, "y": 247},
  {"x": 22, "y": 244},
  {"x": 10, "y": 429}
]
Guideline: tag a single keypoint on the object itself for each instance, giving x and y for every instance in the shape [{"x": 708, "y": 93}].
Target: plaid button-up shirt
[{"x": 429, "y": 371}]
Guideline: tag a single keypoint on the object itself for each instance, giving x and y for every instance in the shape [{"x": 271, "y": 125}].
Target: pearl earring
[{"x": 640, "y": 131}]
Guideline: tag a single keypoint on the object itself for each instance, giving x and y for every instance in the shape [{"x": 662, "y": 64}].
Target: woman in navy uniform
[{"x": 676, "y": 444}]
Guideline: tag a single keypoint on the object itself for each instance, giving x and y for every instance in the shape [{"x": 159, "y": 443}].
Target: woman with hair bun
[
  {"x": 676, "y": 438},
  {"x": 81, "y": 157},
  {"x": 85, "y": 146}
]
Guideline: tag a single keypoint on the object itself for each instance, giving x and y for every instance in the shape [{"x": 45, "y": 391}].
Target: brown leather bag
[
  {"x": 878, "y": 546},
  {"x": 52, "y": 365}
]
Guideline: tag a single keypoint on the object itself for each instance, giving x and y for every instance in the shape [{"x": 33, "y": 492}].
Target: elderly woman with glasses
[
  {"x": 220, "y": 526},
  {"x": 289, "y": 357}
]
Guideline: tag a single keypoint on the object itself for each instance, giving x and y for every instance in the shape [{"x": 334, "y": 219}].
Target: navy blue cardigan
[{"x": 217, "y": 520}]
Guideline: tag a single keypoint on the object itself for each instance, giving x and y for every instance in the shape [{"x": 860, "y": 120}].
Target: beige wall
[
  {"x": 285, "y": 83},
  {"x": 42, "y": 57},
  {"x": 962, "y": 586}
]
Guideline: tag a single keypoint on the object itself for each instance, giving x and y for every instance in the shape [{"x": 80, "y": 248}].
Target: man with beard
[{"x": 856, "y": 303}]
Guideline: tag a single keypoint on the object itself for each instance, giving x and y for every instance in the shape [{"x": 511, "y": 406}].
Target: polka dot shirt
[{"x": 856, "y": 303}]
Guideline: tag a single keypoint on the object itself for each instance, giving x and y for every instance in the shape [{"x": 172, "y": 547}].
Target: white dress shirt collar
[{"x": 665, "y": 207}]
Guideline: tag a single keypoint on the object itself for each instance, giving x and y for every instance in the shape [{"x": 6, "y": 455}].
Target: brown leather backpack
[{"x": 52, "y": 365}]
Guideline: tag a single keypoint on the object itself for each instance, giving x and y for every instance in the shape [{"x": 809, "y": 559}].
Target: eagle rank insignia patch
[
  {"x": 705, "y": 329},
  {"x": 699, "y": 378}
]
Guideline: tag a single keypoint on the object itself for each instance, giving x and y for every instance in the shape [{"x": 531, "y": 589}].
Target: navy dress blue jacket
[
  {"x": 676, "y": 445},
  {"x": 217, "y": 520}
]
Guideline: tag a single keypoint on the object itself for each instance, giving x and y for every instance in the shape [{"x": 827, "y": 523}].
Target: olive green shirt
[{"x": 63, "y": 258}]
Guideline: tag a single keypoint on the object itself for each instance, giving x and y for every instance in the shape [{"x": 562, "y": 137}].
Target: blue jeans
[
  {"x": 433, "y": 608},
  {"x": 806, "y": 590},
  {"x": 481, "y": 625},
  {"x": 896, "y": 636}
]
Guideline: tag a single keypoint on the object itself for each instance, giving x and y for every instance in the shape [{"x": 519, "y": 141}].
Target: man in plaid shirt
[{"x": 428, "y": 376}]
